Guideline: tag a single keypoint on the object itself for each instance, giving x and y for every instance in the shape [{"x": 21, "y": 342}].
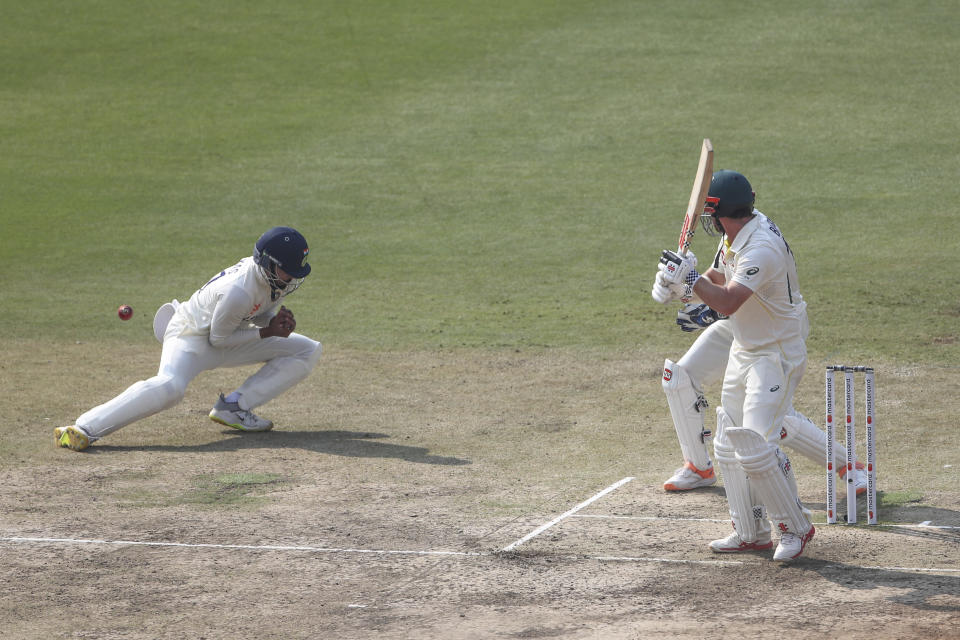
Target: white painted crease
[
  {"x": 249, "y": 547},
  {"x": 921, "y": 525},
  {"x": 566, "y": 515},
  {"x": 462, "y": 554}
]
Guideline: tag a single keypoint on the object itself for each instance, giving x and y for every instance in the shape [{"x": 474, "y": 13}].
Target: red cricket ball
[{"x": 125, "y": 312}]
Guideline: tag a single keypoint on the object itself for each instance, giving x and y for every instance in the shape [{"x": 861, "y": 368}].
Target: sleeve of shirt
[
  {"x": 227, "y": 326},
  {"x": 755, "y": 267},
  {"x": 263, "y": 319}
]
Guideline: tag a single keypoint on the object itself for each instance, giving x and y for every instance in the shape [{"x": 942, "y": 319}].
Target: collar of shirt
[{"x": 737, "y": 245}]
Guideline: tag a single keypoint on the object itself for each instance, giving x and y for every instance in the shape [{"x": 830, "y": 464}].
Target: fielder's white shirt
[
  {"x": 760, "y": 259},
  {"x": 230, "y": 309}
]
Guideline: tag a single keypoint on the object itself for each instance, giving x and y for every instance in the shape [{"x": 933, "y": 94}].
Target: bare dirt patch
[{"x": 381, "y": 503}]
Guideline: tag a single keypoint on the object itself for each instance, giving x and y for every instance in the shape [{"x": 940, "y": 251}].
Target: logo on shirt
[
  {"x": 667, "y": 374},
  {"x": 752, "y": 271},
  {"x": 256, "y": 308}
]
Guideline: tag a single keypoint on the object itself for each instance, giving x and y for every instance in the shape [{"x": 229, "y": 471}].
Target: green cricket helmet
[{"x": 730, "y": 196}]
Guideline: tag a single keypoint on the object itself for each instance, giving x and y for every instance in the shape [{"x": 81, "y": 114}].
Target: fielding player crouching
[
  {"x": 235, "y": 319},
  {"x": 754, "y": 282}
]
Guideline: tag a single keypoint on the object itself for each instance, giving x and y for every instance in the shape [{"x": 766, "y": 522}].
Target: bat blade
[{"x": 698, "y": 196}]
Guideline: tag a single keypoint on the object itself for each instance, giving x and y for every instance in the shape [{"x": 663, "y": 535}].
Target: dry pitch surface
[{"x": 383, "y": 502}]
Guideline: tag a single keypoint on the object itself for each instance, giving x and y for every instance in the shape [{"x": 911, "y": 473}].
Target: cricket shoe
[
  {"x": 72, "y": 437},
  {"x": 689, "y": 477},
  {"x": 230, "y": 414},
  {"x": 859, "y": 476},
  {"x": 792, "y": 545},
  {"x": 733, "y": 544}
]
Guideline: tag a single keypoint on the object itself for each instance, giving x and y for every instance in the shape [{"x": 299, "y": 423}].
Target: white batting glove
[
  {"x": 663, "y": 291},
  {"x": 678, "y": 269}
]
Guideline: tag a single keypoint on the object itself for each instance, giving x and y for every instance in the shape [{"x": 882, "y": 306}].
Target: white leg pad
[
  {"x": 687, "y": 406},
  {"x": 800, "y": 434},
  {"x": 771, "y": 478},
  {"x": 749, "y": 519}
]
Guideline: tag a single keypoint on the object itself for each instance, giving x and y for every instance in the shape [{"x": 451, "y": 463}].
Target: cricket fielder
[
  {"x": 753, "y": 281},
  {"x": 237, "y": 318}
]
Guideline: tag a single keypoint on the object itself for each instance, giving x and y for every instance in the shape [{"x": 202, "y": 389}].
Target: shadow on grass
[{"x": 355, "y": 444}]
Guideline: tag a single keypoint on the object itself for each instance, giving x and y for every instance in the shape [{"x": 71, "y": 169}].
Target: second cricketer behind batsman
[
  {"x": 237, "y": 318},
  {"x": 755, "y": 283}
]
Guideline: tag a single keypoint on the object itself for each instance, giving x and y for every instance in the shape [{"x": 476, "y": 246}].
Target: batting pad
[
  {"x": 771, "y": 478},
  {"x": 686, "y": 409},
  {"x": 748, "y": 517},
  {"x": 809, "y": 440}
]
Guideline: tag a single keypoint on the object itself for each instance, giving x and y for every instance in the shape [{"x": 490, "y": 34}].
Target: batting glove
[
  {"x": 679, "y": 269},
  {"x": 694, "y": 317},
  {"x": 663, "y": 291}
]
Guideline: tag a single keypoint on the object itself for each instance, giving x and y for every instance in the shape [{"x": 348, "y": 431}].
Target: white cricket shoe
[
  {"x": 733, "y": 544},
  {"x": 689, "y": 477},
  {"x": 792, "y": 545},
  {"x": 859, "y": 478},
  {"x": 230, "y": 414}
]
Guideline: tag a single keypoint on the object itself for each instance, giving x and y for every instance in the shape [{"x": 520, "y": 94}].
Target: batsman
[{"x": 753, "y": 280}]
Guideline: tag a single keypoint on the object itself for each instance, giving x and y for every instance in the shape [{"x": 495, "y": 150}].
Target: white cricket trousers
[
  {"x": 706, "y": 359},
  {"x": 287, "y": 361},
  {"x": 759, "y": 384}
]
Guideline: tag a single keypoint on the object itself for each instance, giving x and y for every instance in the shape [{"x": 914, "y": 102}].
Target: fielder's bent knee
[
  {"x": 170, "y": 390},
  {"x": 314, "y": 356}
]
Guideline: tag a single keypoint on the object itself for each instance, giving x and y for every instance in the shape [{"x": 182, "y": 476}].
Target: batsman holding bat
[
  {"x": 704, "y": 363},
  {"x": 237, "y": 318},
  {"x": 754, "y": 282}
]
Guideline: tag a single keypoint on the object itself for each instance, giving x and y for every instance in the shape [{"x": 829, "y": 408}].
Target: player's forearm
[
  {"x": 234, "y": 338},
  {"x": 715, "y": 276},
  {"x": 721, "y": 297}
]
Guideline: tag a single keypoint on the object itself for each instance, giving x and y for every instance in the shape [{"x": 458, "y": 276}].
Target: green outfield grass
[
  {"x": 479, "y": 174},
  {"x": 486, "y": 186}
]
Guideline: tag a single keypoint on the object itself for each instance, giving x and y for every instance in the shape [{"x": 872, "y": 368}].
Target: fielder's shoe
[
  {"x": 230, "y": 414},
  {"x": 792, "y": 545},
  {"x": 859, "y": 477},
  {"x": 72, "y": 437},
  {"x": 689, "y": 477},
  {"x": 733, "y": 544}
]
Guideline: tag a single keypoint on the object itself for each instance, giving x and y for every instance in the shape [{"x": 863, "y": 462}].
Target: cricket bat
[{"x": 698, "y": 196}]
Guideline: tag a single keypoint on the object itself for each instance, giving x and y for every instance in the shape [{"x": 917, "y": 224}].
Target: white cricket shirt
[
  {"x": 760, "y": 259},
  {"x": 230, "y": 309}
]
